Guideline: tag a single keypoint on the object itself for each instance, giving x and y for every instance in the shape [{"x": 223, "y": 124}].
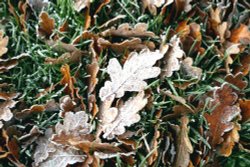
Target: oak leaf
[
  {"x": 189, "y": 70},
  {"x": 114, "y": 120},
  {"x": 3, "y": 43},
  {"x": 124, "y": 30},
  {"x": 50, "y": 154},
  {"x": 223, "y": 113},
  {"x": 245, "y": 109},
  {"x": 46, "y": 25},
  {"x": 81, "y": 4},
  {"x": 131, "y": 76},
  {"x": 171, "y": 60},
  {"x": 183, "y": 143},
  {"x": 152, "y": 5},
  {"x": 241, "y": 34},
  {"x": 37, "y": 5}
]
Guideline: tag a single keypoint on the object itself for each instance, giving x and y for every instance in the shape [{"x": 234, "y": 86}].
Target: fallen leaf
[
  {"x": 46, "y": 25},
  {"x": 67, "y": 57},
  {"x": 49, "y": 154},
  {"x": 114, "y": 120},
  {"x": 92, "y": 70},
  {"x": 171, "y": 62},
  {"x": 3, "y": 43},
  {"x": 223, "y": 113},
  {"x": 131, "y": 45},
  {"x": 245, "y": 109},
  {"x": 81, "y": 4},
  {"x": 152, "y": 5},
  {"x": 241, "y": 34},
  {"x": 124, "y": 30},
  {"x": 68, "y": 80},
  {"x": 112, "y": 21},
  {"x": 237, "y": 81},
  {"x": 189, "y": 70},
  {"x": 183, "y": 144},
  {"x": 131, "y": 76},
  {"x": 7, "y": 64},
  {"x": 244, "y": 66},
  {"x": 5, "y": 106},
  {"x": 28, "y": 112},
  {"x": 230, "y": 139}
]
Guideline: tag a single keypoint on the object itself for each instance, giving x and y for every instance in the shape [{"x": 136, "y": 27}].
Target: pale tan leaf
[
  {"x": 48, "y": 154},
  {"x": 81, "y": 4},
  {"x": 190, "y": 70},
  {"x": 3, "y": 43},
  {"x": 171, "y": 60},
  {"x": 130, "y": 77},
  {"x": 115, "y": 120}
]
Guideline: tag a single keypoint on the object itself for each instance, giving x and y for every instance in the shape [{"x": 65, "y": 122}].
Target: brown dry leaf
[
  {"x": 7, "y": 64},
  {"x": 6, "y": 105},
  {"x": 29, "y": 112},
  {"x": 131, "y": 76},
  {"x": 68, "y": 80},
  {"x": 81, "y": 4},
  {"x": 73, "y": 57},
  {"x": 244, "y": 66},
  {"x": 131, "y": 45},
  {"x": 21, "y": 19},
  {"x": 114, "y": 120},
  {"x": 30, "y": 137},
  {"x": 50, "y": 154},
  {"x": 236, "y": 80},
  {"x": 190, "y": 70},
  {"x": 241, "y": 34},
  {"x": 92, "y": 70},
  {"x": 152, "y": 5},
  {"x": 112, "y": 21},
  {"x": 46, "y": 25},
  {"x": 224, "y": 111},
  {"x": 245, "y": 109},
  {"x": 183, "y": 143},
  {"x": 3, "y": 43},
  {"x": 230, "y": 139},
  {"x": 66, "y": 105},
  {"x": 124, "y": 30},
  {"x": 171, "y": 62}
]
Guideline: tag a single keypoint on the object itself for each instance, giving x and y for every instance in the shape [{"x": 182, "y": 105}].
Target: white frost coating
[{"x": 131, "y": 76}]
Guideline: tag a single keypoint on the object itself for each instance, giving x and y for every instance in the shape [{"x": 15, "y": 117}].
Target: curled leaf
[
  {"x": 171, "y": 60},
  {"x": 46, "y": 25},
  {"x": 3, "y": 43},
  {"x": 124, "y": 30}
]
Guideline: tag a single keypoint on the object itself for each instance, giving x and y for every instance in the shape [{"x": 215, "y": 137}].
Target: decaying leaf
[
  {"x": 230, "y": 139},
  {"x": 152, "y": 5},
  {"x": 114, "y": 120},
  {"x": 81, "y": 4},
  {"x": 92, "y": 70},
  {"x": 124, "y": 30},
  {"x": 28, "y": 112},
  {"x": 241, "y": 34},
  {"x": 237, "y": 81},
  {"x": 3, "y": 43},
  {"x": 223, "y": 113},
  {"x": 67, "y": 57},
  {"x": 50, "y": 154},
  {"x": 131, "y": 76},
  {"x": 7, "y": 64},
  {"x": 112, "y": 21},
  {"x": 244, "y": 66},
  {"x": 6, "y": 105},
  {"x": 131, "y": 45},
  {"x": 189, "y": 70},
  {"x": 245, "y": 109},
  {"x": 171, "y": 60},
  {"x": 46, "y": 25},
  {"x": 183, "y": 144}
]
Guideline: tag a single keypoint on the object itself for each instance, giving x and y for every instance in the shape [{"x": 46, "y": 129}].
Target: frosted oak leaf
[
  {"x": 131, "y": 76},
  {"x": 116, "y": 119}
]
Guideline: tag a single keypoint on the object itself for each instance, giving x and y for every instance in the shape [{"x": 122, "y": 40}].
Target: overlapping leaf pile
[{"x": 124, "y": 83}]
